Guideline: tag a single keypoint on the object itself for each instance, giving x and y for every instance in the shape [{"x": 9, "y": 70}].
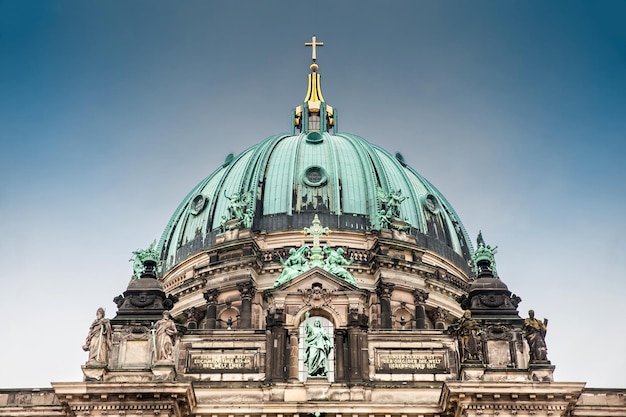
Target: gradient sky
[{"x": 111, "y": 111}]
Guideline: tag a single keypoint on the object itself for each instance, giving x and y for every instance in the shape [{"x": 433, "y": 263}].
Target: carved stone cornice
[
  {"x": 476, "y": 398},
  {"x": 91, "y": 399}
]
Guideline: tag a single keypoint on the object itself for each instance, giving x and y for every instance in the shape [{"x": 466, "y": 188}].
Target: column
[
  {"x": 293, "y": 355},
  {"x": 358, "y": 363},
  {"x": 211, "y": 311},
  {"x": 419, "y": 298},
  {"x": 276, "y": 345},
  {"x": 247, "y": 291},
  {"x": 340, "y": 353},
  {"x": 384, "y": 290}
]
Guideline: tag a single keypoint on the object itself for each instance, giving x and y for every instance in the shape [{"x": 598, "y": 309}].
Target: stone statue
[
  {"x": 334, "y": 264},
  {"x": 98, "y": 342},
  {"x": 295, "y": 264},
  {"x": 468, "y": 332},
  {"x": 535, "y": 334},
  {"x": 318, "y": 346},
  {"x": 164, "y": 337}
]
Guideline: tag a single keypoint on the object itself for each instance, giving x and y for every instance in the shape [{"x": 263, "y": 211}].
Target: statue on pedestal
[
  {"x": 535, "y": 334},
  {"x": 318, "y": 346},
  {"x": 164, "y": 333},
  {"x": 98, "y": 342}
]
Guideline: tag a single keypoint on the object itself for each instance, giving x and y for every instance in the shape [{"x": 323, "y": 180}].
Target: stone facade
[
  {"x": 238, "y": 349},
  {"x": 386, "y": 311}
]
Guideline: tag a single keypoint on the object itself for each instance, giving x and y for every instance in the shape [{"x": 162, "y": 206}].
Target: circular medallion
[
  {"x": 197, "y": 204},
  {"x": 431, "y": 203},
  {"x": 314, "y": 176}
]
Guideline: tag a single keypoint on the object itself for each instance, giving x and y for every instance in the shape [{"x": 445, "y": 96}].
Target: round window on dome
[
  {"x": 197, "y": 204},
  {"x": 315, "y": 176},
  {"x": 431, "y": 203}
]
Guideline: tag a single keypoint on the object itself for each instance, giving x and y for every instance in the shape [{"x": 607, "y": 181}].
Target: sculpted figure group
[
  {"x": 238, "y": 211},
  {"x": 298, "y": 262},
  {"x": 334, "y": 263},
  {"x": 295, "y": 264}
]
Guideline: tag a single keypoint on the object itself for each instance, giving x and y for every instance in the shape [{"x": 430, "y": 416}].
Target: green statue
[
  {"x": 140, "y": 256},
  {"x": 388, "y": 212},
  {"x": 239, "y": 212},
  {"x": 318, "y": 346},
  {"x": 334, "y": 263},
  {"x": 484, "y": 254},
  {"x": 295, "y": 264}
]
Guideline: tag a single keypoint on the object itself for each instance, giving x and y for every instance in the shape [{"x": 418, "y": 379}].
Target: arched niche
[
  {"x": 403, "y": 319},
  {"x": 229, "y": 313},
  {"x": 326, "y": 326}
]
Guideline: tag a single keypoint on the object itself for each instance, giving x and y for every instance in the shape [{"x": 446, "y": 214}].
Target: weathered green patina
[
  {"x": 142, "y": 255},
  {"x": 484, "y": 252},
  {"x": 239, "y": 211},
  {"x": 298, "y": 263},
  {"x": 318, "y": 346}
]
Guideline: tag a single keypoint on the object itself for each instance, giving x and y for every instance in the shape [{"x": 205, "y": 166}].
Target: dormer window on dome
[{"x": 314, "y": 115}]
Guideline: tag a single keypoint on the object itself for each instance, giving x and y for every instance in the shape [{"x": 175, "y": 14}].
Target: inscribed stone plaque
[
  {"x": 135, "y": 353},
  {"x": 499, "y": 353},
  {"x": 223, "y": 360},
  {"x": 414, "y": 361}
]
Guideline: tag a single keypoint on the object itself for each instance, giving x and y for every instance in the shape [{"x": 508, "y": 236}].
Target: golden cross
[{"x": 314, "y": 44}]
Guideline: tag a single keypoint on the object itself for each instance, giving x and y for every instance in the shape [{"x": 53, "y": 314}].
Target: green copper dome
[
  {"x": 281, "y": 183},
  {"x": 341, "y": 177}
]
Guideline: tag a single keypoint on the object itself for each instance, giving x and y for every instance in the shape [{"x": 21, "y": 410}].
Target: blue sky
[{"x": 111, "y": 111}]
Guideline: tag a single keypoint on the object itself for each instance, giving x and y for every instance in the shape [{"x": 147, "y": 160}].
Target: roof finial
[{"x": 314, "y": 44}]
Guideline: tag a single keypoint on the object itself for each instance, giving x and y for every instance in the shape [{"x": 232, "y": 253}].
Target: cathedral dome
[
  {"x": 280, "y": 184},
  {"x": 341, "y": 177}
]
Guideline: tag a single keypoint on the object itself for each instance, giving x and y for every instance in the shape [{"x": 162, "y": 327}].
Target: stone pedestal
[
  {"x": 472, "y": 371},
  {"x": 94, "y": 372},
  {"x": 541, "y": 371},
  {"x": 163, "y": 371}
]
